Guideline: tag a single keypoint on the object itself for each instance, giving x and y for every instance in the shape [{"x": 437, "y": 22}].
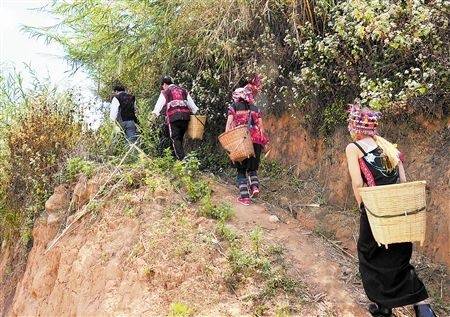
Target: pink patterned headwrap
[
  {"x": 249, "y": 92},
  {"x": 243, "y": 94},
  {"x": 363, "y": 120},
  {"x": 255, "y": 85}
]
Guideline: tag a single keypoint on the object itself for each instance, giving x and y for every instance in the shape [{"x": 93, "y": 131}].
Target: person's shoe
[
  {"x": 244, "y": 201},
  {"x": 254, "y": 191},
  {"x": 379, "y": 311},
  {"x": 424, "y": 310}
]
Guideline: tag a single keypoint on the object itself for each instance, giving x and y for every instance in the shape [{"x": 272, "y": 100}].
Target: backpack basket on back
[
  {"x": 196, "y": 127},
  {"x": 238, "y": 143},
  {"x": 396, "y": 213}
]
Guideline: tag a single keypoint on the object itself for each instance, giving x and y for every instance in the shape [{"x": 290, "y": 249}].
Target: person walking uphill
[
  {"x": 176, "y": 104},
  {"x": 244, "y": 112},
  {"x": 388, "y": 278},
  {"x": 123, "y": 110}
]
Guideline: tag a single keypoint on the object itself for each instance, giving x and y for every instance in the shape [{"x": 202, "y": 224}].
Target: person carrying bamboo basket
[
  {"x": 243, "y": 111},
  {"x": 177, "y": 105},
  {"x": 388, "y": 277}
]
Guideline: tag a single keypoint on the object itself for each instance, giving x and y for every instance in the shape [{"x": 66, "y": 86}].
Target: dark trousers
[
  {"x": 175, "y": 132},
  {"x": 130, "y": 129},
  {"x": 247, "y": 172}
]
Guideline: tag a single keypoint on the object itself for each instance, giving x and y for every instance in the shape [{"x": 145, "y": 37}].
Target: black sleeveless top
[
  {"x": 126, "y": 109},
  {"x": 373, "y": 168}
]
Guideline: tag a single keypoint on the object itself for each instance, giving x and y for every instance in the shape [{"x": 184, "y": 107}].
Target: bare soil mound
[{"x": 142, "y": 252}]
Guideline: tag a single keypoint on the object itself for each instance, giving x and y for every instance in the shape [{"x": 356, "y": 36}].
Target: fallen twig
[
  {"x": 307, "y": 205},
  {"x": 338, "y": 247}
]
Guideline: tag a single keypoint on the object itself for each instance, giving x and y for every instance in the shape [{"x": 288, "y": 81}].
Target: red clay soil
[
  {"x": 315, "y": 262},
  {"x": 137, "y": 254}
]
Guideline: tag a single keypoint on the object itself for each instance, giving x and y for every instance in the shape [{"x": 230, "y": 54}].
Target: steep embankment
[
  {"x": 425, "y": 145},
  {"x": 144, "y": 252},
  {"x": 149, "y": 253},
  {"x": 142, "y": 249}
]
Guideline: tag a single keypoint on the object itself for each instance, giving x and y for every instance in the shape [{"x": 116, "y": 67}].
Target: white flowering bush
[
  {"x": 315, "y": 56},
  {"x": 387, "y": 53}
]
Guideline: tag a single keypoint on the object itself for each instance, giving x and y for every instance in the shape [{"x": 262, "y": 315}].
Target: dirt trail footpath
[
  {"x": 327, "y": 272},
  {"x": 141, "y": 254}
]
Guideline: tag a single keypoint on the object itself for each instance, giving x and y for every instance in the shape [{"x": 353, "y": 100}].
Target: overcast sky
[{"x": 17, "y": 48}]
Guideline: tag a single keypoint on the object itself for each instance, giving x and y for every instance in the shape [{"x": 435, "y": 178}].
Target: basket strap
[
  {"x": 360, "y": 147},
  {"x": 199, "y": 120},
  {"x": 406, "y": 213}
]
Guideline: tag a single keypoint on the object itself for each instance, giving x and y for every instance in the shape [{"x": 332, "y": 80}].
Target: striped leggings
[{"x": 247, "y": 172}]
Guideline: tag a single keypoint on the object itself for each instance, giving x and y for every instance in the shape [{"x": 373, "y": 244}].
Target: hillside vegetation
[{"x": 314, "y": 56}]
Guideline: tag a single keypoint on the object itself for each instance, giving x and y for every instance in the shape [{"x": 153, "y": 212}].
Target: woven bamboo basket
[
  {"x": 238, "y": 143},
  {"x": 396, "y": 213},
  {"x": 196, "y": 127}
]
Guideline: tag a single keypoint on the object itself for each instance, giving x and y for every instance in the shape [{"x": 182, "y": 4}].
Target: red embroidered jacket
[{"x": 248, "y": 114}]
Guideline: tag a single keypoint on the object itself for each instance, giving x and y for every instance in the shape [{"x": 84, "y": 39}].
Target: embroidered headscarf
[
  {"x": 243, "y": 95},
  {"x": 255, "y": 85},
  {"x": 249, "y": 91},
  {"x": 363, "y": 120}
]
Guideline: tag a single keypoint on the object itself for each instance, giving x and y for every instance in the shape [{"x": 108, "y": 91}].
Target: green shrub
[
  {"x": 279, "y": 280},
  {"x": 10, "y": 223},
  {"x": 222, "y": 211},
  {"x": 34, "y": 145},
  {"x": 333, "y": 116},
  {"x": 153, "y": 182},
  {"x": 150, "y": 130},
  {"x": 196, "y": 189},
  {"x": 256, "y": 238},
  {"x": 266, "y": 266},
  {"x": 226, "y": 232},
  {"x": 271, "y": 169},
  {"x": 241, "y": 261},
  {"x": 107, "y": 142},
  {"x": 163, "y": 164},
  {"x": 78, "y": 165},
  {"x": 191, "y": 165},
  {"x": 37, "y": 144}
]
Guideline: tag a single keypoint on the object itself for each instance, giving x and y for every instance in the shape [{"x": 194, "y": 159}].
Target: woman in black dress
[{"x": 388, "y": 278}]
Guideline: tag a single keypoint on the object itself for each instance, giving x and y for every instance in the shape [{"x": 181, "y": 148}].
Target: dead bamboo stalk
[
  {"x": 66, "y": 230},
  {"x": 338, "y": 247}
]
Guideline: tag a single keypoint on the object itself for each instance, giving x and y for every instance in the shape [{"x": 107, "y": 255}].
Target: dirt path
[
  {"x": 139, "y": 253},
  {"x": 318, "y": 265}
]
